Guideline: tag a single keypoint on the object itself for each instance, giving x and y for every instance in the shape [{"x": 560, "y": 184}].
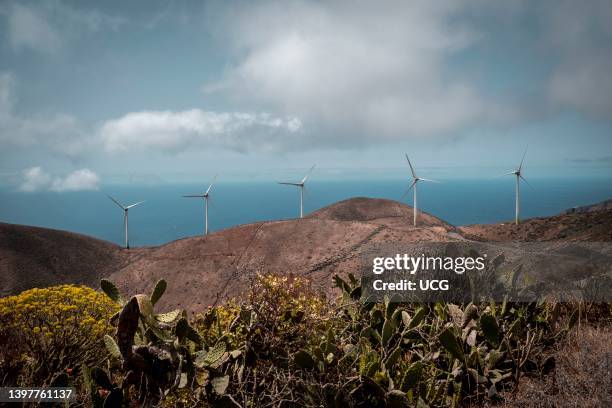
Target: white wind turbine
[
  {"x": 205, "y": 196},
  {"x": 301, "y": 186},
  {"x": 125, "y": 217},
  {"x": 415, "y": 180},
  {"x": 519, "y": 175}
]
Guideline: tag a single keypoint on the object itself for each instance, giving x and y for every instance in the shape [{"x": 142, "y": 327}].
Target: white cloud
[
  {"x": 7, "y": 84},
  {"x": 36, "y": 179},
  {"x": 360, "y": 71},
  {"x": 585, "y": 86},
  {"x": 28, "y": 28},
  {"x": 78, "y": 180},
  {"x": 80, "y": 19},
  {"x": 162, "y": 131},
  {"x": 581, "y": 34},
  {"x": 169, "y": 131},
  {"x": 46, "y": 26},
  {"x": 60, "y": 132}
]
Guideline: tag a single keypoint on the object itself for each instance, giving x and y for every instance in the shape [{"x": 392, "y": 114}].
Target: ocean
[{"x": 165, "y": 216}]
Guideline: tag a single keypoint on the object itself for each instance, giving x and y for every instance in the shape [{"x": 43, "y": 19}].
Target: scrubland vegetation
[
  {"x": 283, "y": 345},
  {"x": 53, "y": 331}
]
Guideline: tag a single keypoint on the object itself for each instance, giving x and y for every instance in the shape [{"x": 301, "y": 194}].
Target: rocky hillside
[
  {"x": 204, "y": 271},
  {"x": 573, "y": 226},
  {"x": 38, "y": 257}
]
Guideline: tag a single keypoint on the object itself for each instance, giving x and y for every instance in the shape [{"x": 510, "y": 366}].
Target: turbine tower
[
  {"x": 205, "y": 196},
  {"x": 519, "y": 175},
  {"x": 301, "y": 186},
  {"x": 415, "y": 180},
  {"x": 125, "y": 217}
]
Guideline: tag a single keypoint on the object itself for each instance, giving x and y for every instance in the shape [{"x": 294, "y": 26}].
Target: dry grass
[{"x": 582, "y": 376}]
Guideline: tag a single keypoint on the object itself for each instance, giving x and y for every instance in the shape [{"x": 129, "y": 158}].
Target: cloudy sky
[{"x": 153, "y": 92}]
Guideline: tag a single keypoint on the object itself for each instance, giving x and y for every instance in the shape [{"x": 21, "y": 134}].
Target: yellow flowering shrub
[
  {"x": 286, "y": 310},
  {"x": 52, "y": 330},
  {"x": 282, "y": 294},
  {"x": 215, "y": 323},
  {"x": 289, "y": 312}
]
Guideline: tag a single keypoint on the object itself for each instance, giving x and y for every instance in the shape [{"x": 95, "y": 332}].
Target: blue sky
[{"x": 159, "y": 92}]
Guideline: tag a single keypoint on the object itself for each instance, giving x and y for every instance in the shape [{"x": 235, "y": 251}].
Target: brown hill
[
  {"x": 206, "y": 270},
  {"x": 379, "y": 211},
  {"x": 575, "y": 226},
  {"x": 38, "y": 257},
  {"x": 601, "y": 206}
]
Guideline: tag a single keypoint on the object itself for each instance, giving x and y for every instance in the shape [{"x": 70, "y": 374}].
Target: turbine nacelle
[
  {"x": 123, "y": 207},
  {"x": 519, "y": 170},
  {"x": 125, "y": 217},
  {"x": 415, "y": 180},
  {"x": 301, "y": 185},
  {"x": 205, "y": 196},
  {"x": 518, "y": 173}
]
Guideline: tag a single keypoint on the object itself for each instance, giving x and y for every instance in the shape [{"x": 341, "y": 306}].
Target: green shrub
[
  {"x": 295, "y": 347},
  {"x": 284, "y": 344}
]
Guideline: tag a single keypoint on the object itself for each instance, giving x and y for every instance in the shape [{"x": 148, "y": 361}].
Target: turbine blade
[
  {"x": 409, "y": 188},
  {"x": 198, "y": 196},
  {"x": 116, "y": 202},
  {"x": 411, "y": 168},
  {"x": 308, "y": 175},
  {"x": 135, "y": 204},
  {"x": 431, "y": 181},
  {"x": 523, "y": 159},
  {"x": 211, "y": 184},
  {"x": 503, "y": 175},
  {"x": 290, "y": 184},
  {"x": 525, "y": 180},
  {"x": 412, "y": 185}
]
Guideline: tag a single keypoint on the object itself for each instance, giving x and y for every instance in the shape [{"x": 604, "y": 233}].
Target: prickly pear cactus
[{"x": 151, "y": 348}]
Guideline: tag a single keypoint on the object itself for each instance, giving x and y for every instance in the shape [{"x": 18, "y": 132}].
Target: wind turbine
[
  {"x": 205, "y": 196},
  {"x": 301, "y": 186},
  {"x": 415, "y": 180},
  {"x": 519, "y": 175},
  {"x": 125, "y": 217}
]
